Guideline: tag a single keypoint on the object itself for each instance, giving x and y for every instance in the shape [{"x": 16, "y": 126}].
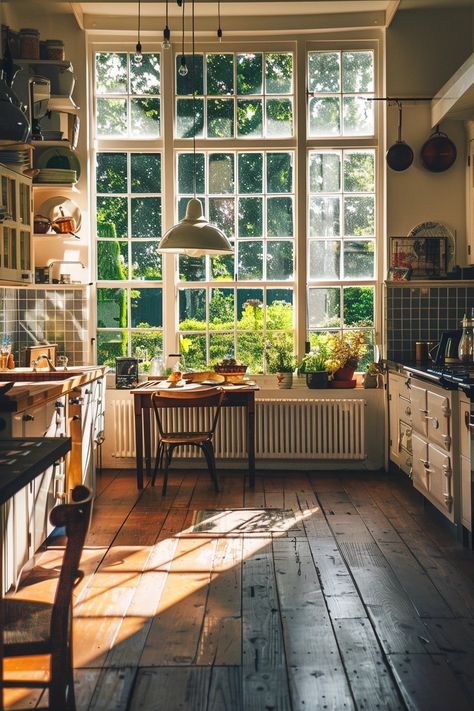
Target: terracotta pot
[{"x": 344, "y": 373}]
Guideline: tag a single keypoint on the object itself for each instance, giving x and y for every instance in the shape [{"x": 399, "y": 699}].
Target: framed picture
[
  {"x": 425, "y": 256},
  {"x": 399, "y": 274}
]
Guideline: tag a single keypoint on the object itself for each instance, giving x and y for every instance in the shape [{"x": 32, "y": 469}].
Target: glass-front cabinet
[{"x": 15, "y": 226}]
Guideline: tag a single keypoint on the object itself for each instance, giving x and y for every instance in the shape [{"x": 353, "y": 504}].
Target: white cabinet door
[
  {"x": 441, "y": 481},
  {"x": 439, "y": 419},
  {"x": 466, "y": 512},
  {"x": 419, "y": 409},
  {"x": 420, "y": 464}
]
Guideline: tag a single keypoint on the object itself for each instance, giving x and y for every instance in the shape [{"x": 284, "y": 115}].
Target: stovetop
[{"x": 463, "y": 374}]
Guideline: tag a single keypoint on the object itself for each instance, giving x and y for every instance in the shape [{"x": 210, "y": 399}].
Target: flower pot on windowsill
[
  {"x": 345, "y": 373},
  {"x": 285, "y": 380},
  {"x": 318, "y": 379}
]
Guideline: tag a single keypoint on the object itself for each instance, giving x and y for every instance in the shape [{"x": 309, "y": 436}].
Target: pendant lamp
[{"x": 194, "y": 236}]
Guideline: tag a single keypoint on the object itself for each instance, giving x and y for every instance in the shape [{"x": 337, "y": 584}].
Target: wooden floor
[{"x": 355, "y": 597}]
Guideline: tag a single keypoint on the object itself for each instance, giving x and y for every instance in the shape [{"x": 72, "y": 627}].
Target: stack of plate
[
  {"x": 14, "y": 157},
  {"x": 56, "y": 175}
]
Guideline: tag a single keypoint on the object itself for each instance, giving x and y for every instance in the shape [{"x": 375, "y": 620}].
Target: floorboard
[{"x": 355, "y": 596}]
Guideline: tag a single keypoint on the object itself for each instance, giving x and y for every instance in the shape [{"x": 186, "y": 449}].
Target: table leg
[
  {"x": 147, "y": 438},
  {"x": 139, "y": 445},
  {"x": 251, "y": 440}
]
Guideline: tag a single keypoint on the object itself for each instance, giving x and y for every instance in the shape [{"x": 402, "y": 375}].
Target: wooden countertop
[{"x": 24, "y": 394}]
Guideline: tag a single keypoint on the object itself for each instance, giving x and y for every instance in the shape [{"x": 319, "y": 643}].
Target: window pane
[
  {"x": 192, "y": 269},
  {"x": 359, "y": 215},
  {"x": 324, "y": 71},
  {"x": 359, "y": 171},
  {"x": 279, "y": 172},
  {"x": 325, "y": 172},
  {"x": 146, "y": 307},
  {"x": 357, "y": 72},
  {"x": 189, "y": 115},
  {"x": 359, "y": 260},
  {"x": 145, "y": 172},
  {"x": 221, "y": 173},
  {"x": 221, "y": 345},
  {"x": 111, "y": 173},
  {"x": 249, "y": 73},
  {"x": 279, "y": 312},
  {"x": 187, "y": 169},
  {"x": 113, "y": 210},
  {"x": 324, "y": 307},
  {"x": 146, "y": 261},
  {"x": 111, "y": 345},
  {"x": 111, "y": 72},
  {"x": 221, "y": 213},
  {"x": 358, "y": 306},
  {"x": 324, "y": 216},
  {"x": 278, "y": 73},
  {"x": 220, "y": 118},
  {"x": 280, "y": 260},
  {"x": 111, "y": 117},
  {"x": 279, "y": 117},
  {"x": 250, "y": 351},
  {"x": 112, "y": 308},
  {"x": 149, "y": 341},
  {"x": 280, "y": 217},
  {"x": 112, "y": 260},
  {"x": 222, "y": 267},
  {"x": 220, "y": 74},
  {"x": 221, "y": 309},
  {"x": 250, "y": 172},
  {"x": 193, "y": 81},
  {"x": 325, "y": 116},
  {"x": 249, "y": 117},
  {"x": 146, "y": 217},
  {"x": 193, "y": 349},
  {"x": 251, "y": 217},
  {"x": 145, "y": 79},
  {"x": 358, "y": 116},
  {"x": 250, "y": 261},
  {"x": 249, "y": 308},
  {"x": 145, "y": 117},
  {"x": 192, "y": 309},
  {"x": 324, "y": 260}
]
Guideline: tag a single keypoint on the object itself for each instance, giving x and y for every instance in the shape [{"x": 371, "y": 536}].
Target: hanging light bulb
[
  {"x": 138, "y": 56},
  {"x": 183, "y": 67},
  {"x": 166, "y": 32},
  {"x": 219, "y": 28},
  {"x": 193, "y": 235}
]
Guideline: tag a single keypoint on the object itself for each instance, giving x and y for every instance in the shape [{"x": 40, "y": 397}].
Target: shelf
[
  {"x": 455, "y": 99},
  {"x": 57, "y": 236},
  {"x": 56, "y": 186},
  {"x": 63, "y": 63},
  {"x": 38, "y": 285},
  {"x": 63, "y": 103},
  {"x": 63, "y": 143}
]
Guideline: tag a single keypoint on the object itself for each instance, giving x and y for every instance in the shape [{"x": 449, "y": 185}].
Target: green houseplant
[
  {"x": 314, "y": 366},
  {"x": 346, "y": 351},
  {"x": 280, "y": 358}
]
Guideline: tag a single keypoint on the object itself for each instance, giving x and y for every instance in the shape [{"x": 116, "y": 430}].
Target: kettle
[{"x": 448, "y": 349}]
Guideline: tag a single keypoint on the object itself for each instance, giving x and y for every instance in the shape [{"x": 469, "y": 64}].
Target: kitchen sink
[{"x": 29, "y": 375}]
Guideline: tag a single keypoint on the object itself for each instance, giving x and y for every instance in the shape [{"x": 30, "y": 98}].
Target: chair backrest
[
  {"x": 75, "y": 518},
  {"x": 203, "y": 398}
]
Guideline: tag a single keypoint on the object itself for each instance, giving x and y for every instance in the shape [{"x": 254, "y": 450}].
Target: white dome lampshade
[{"x": 194, "y": 236}]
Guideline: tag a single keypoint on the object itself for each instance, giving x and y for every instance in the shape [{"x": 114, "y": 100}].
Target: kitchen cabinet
[
  {"x": 86, "y": 415},
  {"x": 15, "y": 227},
  {"x": 465, "y": 460},
  {"x": 400, "y": 421},
  {"x": 470, "y": 193},
  {"x": 435, "y": 465}
]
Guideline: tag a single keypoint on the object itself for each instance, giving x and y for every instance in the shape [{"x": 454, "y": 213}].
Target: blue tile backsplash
[
  {"x": 420, "y": 313},
  {"x": 32, "y": 316}
]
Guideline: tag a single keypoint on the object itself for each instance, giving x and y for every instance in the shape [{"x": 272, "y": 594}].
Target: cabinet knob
[
  {"x": 27, "y": 417},
  {"x": 76, "y": 400}
]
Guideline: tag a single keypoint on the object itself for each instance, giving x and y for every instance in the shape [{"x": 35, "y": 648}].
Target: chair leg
[
  {"x": 158, "y": 462},
  {"x": 61, "y": 689},
  {"x": 208, "y": 450}
]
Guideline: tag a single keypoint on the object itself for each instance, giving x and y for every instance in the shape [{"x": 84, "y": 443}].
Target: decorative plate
[
  {"x": 437, "y": 229},
  {"x": 59, "y": 157},
  {"x": 57, "y": 207}
]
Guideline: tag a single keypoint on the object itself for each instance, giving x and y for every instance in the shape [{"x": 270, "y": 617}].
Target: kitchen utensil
[
  {"x": 399, "y": 155},
  {"x": 61, "y": 206},
  {"x": 438, "y": 153},
  {"x": 41, "y": 224},
  {"x": 448, "y": 347}
]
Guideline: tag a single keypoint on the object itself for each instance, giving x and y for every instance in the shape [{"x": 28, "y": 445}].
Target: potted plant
[
  {"x": 346, "y": 351},
  {"x": 371, "y": 376},
  {"x": 314, "y": 366},
  {"x": 280, "y": 358}
]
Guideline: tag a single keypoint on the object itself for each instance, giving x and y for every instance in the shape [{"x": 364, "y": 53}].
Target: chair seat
[
  {"x": 186, "y": 437},
  {"x": 26, "y": 622}
]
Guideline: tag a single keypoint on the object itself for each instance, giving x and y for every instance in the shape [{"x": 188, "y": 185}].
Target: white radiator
[{"x": 296, "y": 429}]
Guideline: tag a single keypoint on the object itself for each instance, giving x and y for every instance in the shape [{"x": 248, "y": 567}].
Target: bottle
[
  {"x": 466, "y": 344},
  {"x": 157, "y": 365}
]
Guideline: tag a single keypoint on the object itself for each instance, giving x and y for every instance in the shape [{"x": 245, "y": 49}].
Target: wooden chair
[
  {"x": 169, "y": 439},
  {"x": 33, "y": 627}
]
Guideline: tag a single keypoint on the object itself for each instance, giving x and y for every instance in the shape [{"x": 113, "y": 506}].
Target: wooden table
[{"x": 235, "y": 396}]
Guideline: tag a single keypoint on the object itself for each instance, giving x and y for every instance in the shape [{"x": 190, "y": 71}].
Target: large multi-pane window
[
  {"x": 226, "y": 134},
  {"x": 341, "y": 181}
]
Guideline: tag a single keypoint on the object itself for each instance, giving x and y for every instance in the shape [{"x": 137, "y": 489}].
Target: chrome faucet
[
  {"x": 60, "y": 261},
  {"x": 43, "y": 356}
]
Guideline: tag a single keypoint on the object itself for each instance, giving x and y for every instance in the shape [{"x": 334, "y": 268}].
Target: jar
[
  {"x": 55, "y": 49},
  {"x": 29, "y": 43}
]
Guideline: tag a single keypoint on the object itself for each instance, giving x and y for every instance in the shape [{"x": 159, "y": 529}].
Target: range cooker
[{"x": 453, "y": 377}]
